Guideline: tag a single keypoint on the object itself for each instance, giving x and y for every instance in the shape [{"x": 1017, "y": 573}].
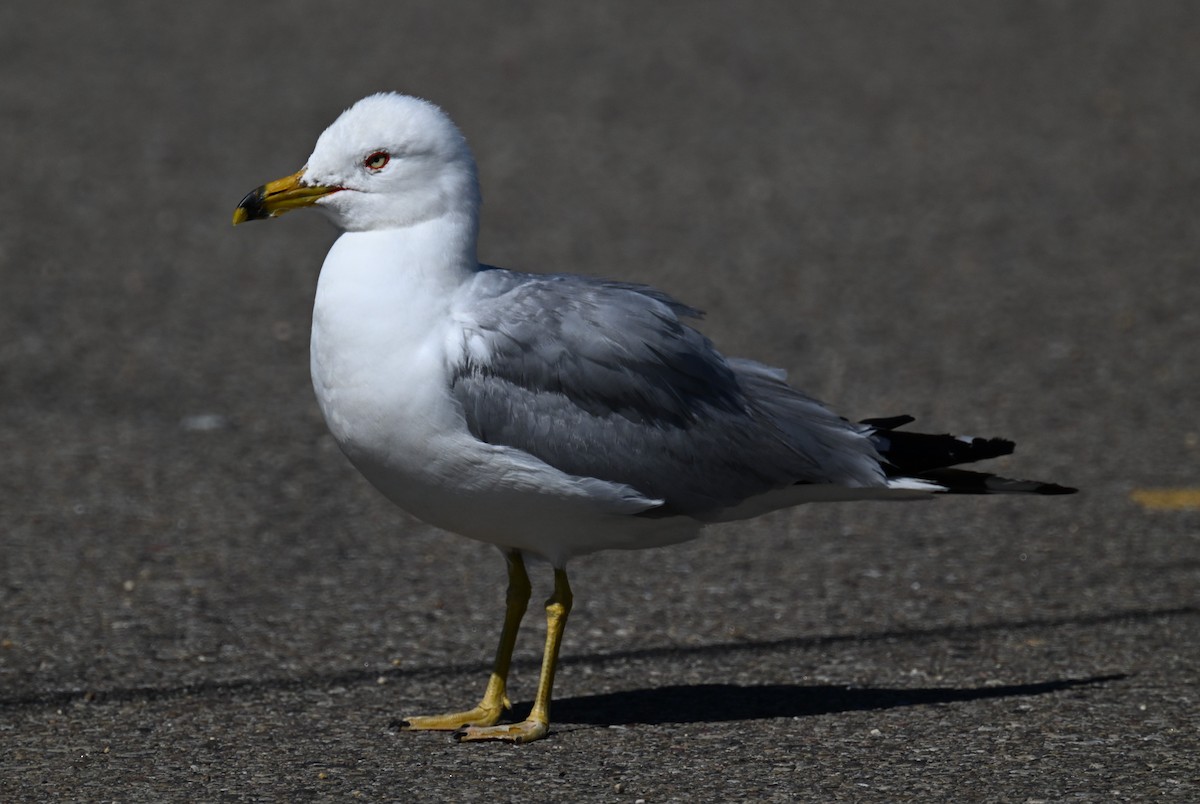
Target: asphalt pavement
[{"x": 982, "y": 215}]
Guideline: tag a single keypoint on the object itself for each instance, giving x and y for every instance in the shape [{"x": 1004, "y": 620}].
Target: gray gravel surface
[{"x": 984, "y": 215}]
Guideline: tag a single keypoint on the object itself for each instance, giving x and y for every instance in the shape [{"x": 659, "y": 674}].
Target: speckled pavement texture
[{"x": 983, "y": 215}]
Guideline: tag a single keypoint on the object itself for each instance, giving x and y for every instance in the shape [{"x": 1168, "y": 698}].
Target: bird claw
[
  {"x": 479, "y": 716},
  {"x": 524, "y": 732}
]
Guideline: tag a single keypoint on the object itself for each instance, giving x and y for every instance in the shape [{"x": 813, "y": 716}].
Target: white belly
[{"x": 383, "y": 345}]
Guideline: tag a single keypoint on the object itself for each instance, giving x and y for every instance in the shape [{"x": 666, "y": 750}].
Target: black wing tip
[
  {"x": 1054, "y": 488},
  {"x": 994, "y": 447},
  {"x": 963, "y": 481},
  {"x": 888, "y": 422},
  {"x": 906, "y": 454}
]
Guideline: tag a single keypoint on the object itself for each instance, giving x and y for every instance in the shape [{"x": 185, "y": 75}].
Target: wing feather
[{"x": 605, "y": 379}]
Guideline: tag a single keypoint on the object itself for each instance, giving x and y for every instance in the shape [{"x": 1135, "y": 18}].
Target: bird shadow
[{"x": 716, "y": 703}]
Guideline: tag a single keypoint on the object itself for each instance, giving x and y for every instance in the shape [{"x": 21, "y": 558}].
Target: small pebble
[{"x": 204, "y": 422}]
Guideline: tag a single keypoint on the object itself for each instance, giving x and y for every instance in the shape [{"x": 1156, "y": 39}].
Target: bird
[{"x": 551, "y": 415}]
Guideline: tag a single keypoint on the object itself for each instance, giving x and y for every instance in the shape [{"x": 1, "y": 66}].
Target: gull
[{"x": 551, "y": 415}]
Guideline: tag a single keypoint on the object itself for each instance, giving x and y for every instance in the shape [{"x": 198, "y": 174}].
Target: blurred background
[{"x": 983, "y": 215}]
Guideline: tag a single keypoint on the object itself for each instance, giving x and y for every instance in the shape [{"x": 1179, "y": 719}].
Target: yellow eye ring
[{"x": 377, "y": 161}]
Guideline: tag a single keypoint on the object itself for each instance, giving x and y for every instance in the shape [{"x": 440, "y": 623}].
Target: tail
[{"x": 918, "y": 460}]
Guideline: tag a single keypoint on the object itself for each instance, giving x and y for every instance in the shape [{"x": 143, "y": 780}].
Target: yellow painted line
[{"x": 1166, "y": 499}]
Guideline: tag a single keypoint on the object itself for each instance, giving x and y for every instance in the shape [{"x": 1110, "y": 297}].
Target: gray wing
[{"x": 603, "y": 379}]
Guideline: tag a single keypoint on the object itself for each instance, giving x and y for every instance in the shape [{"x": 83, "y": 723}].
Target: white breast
[
  {"x": 378, "y": 363},
  {"x": 383, "y": 345}
]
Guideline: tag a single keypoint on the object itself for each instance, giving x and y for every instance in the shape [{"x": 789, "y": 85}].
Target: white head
[{"x": 389, "y": 161}]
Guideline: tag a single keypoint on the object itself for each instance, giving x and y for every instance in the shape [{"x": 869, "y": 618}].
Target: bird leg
[
  {"x": 495, "y": 697},
  {"x": 537, "y": 725}
]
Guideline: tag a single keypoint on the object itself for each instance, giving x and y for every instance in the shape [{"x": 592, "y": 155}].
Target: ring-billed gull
[{"x": 551, "y": 415}]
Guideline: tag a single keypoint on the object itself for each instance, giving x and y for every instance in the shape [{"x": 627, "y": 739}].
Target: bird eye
[{"x": 377, "y": 160}]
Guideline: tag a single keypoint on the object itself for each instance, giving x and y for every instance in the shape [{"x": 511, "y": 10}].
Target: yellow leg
[
  {"x": 537, "y": 725},
  {"x": 495, "y": 697}
]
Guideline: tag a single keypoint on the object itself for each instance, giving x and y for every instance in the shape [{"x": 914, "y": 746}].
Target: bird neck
[{"x": 431, "y": 258}]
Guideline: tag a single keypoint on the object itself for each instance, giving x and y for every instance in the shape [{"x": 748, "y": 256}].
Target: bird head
[{"x": 389, "y": 161}]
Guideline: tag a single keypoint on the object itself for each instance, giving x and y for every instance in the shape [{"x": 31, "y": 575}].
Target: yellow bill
[{"x": 277, "y": 197}]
